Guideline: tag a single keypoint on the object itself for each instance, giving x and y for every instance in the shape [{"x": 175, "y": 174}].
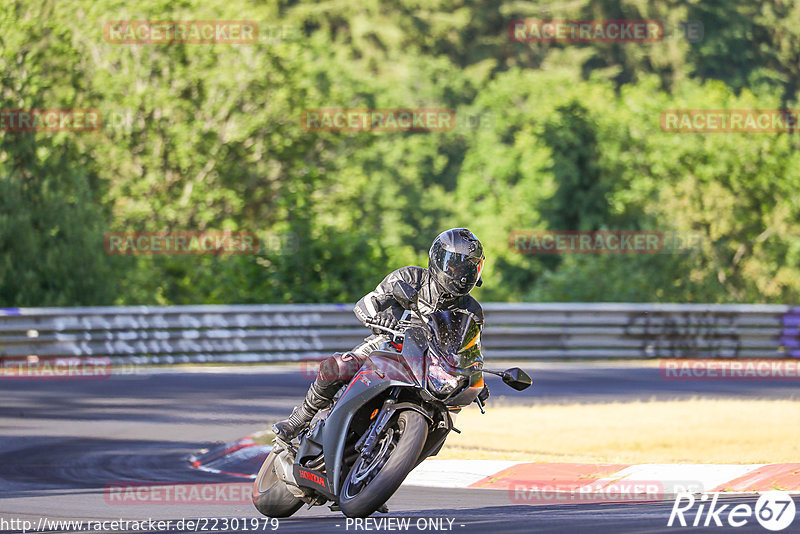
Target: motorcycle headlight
[{"x": 440, "y": 381}]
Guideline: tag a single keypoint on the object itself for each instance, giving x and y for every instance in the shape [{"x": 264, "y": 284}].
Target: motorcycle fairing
[
  {"x": 312, "y": 479},
  {"x": 364, "y": 387}
]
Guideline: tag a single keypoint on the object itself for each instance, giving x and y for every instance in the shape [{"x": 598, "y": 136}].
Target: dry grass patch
[{"x": 688, "y": 431}]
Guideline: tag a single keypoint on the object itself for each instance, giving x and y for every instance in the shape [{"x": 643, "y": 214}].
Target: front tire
[
  {"x": 270, "y": 494},
  {"x": 370, "y": 483}
]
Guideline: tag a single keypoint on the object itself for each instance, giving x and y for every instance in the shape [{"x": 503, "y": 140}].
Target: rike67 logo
[{"x": 774, "y": 510}]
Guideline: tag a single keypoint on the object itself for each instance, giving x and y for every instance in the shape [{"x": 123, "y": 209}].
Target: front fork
[{"x": 366, "y": 443}]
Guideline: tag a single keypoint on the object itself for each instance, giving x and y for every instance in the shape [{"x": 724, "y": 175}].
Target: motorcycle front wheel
[{"x": 373, "y": 480}]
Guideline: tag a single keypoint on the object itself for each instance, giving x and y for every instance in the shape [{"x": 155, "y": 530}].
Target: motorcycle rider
[{"x": 455, "y": 262}]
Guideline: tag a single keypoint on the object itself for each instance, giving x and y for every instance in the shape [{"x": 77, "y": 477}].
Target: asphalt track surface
[{"x": 64, "y": 441}]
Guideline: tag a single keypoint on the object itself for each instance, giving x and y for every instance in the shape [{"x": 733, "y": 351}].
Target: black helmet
[{"x": 455, "y": 261}]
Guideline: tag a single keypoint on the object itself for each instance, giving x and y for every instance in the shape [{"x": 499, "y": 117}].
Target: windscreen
[{"x": 458, "y": 338}]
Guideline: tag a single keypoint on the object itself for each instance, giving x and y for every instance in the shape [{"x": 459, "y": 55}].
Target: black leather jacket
[{"x": 430, "y": 297}]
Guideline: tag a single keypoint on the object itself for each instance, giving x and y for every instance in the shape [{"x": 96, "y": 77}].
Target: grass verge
[{"x": 681, "y": 431}]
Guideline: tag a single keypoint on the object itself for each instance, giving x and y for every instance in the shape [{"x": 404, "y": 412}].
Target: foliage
[{"x": 558, "y": 136}]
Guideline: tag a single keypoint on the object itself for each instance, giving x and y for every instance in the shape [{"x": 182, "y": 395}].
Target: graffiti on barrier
[
  {"x": 790, "y": 333},
  {"x": 685, "y": 334}
]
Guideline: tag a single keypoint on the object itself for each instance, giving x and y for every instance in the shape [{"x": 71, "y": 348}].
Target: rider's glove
[
  {"x": 386, "y": 319},
  {"x": 484, "y": 394}
]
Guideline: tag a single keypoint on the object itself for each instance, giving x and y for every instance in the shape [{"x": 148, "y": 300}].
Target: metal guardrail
[{"x": 248, "y": 333}]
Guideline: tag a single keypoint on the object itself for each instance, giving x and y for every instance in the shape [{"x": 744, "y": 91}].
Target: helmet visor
[{"x": 460, "y": 270}]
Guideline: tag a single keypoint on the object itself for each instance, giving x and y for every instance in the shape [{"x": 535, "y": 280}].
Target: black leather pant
[{"x": 342, "y": 366}]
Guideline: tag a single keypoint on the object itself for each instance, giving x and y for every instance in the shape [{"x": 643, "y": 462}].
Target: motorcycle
[{"x": 394, "y": 413}]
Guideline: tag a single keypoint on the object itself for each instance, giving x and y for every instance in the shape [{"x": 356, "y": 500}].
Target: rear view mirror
[
  {"x": 517, "y": 378},
  {"x": 405, "y": 294}
]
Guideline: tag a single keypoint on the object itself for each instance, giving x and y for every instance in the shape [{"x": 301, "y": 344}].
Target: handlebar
[
  {"x": 404, "y": 321},
  {"x": 395, "y": 333}
]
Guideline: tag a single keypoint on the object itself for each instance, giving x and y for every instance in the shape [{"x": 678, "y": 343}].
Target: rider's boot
[{"x": 318, "y": 397}]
